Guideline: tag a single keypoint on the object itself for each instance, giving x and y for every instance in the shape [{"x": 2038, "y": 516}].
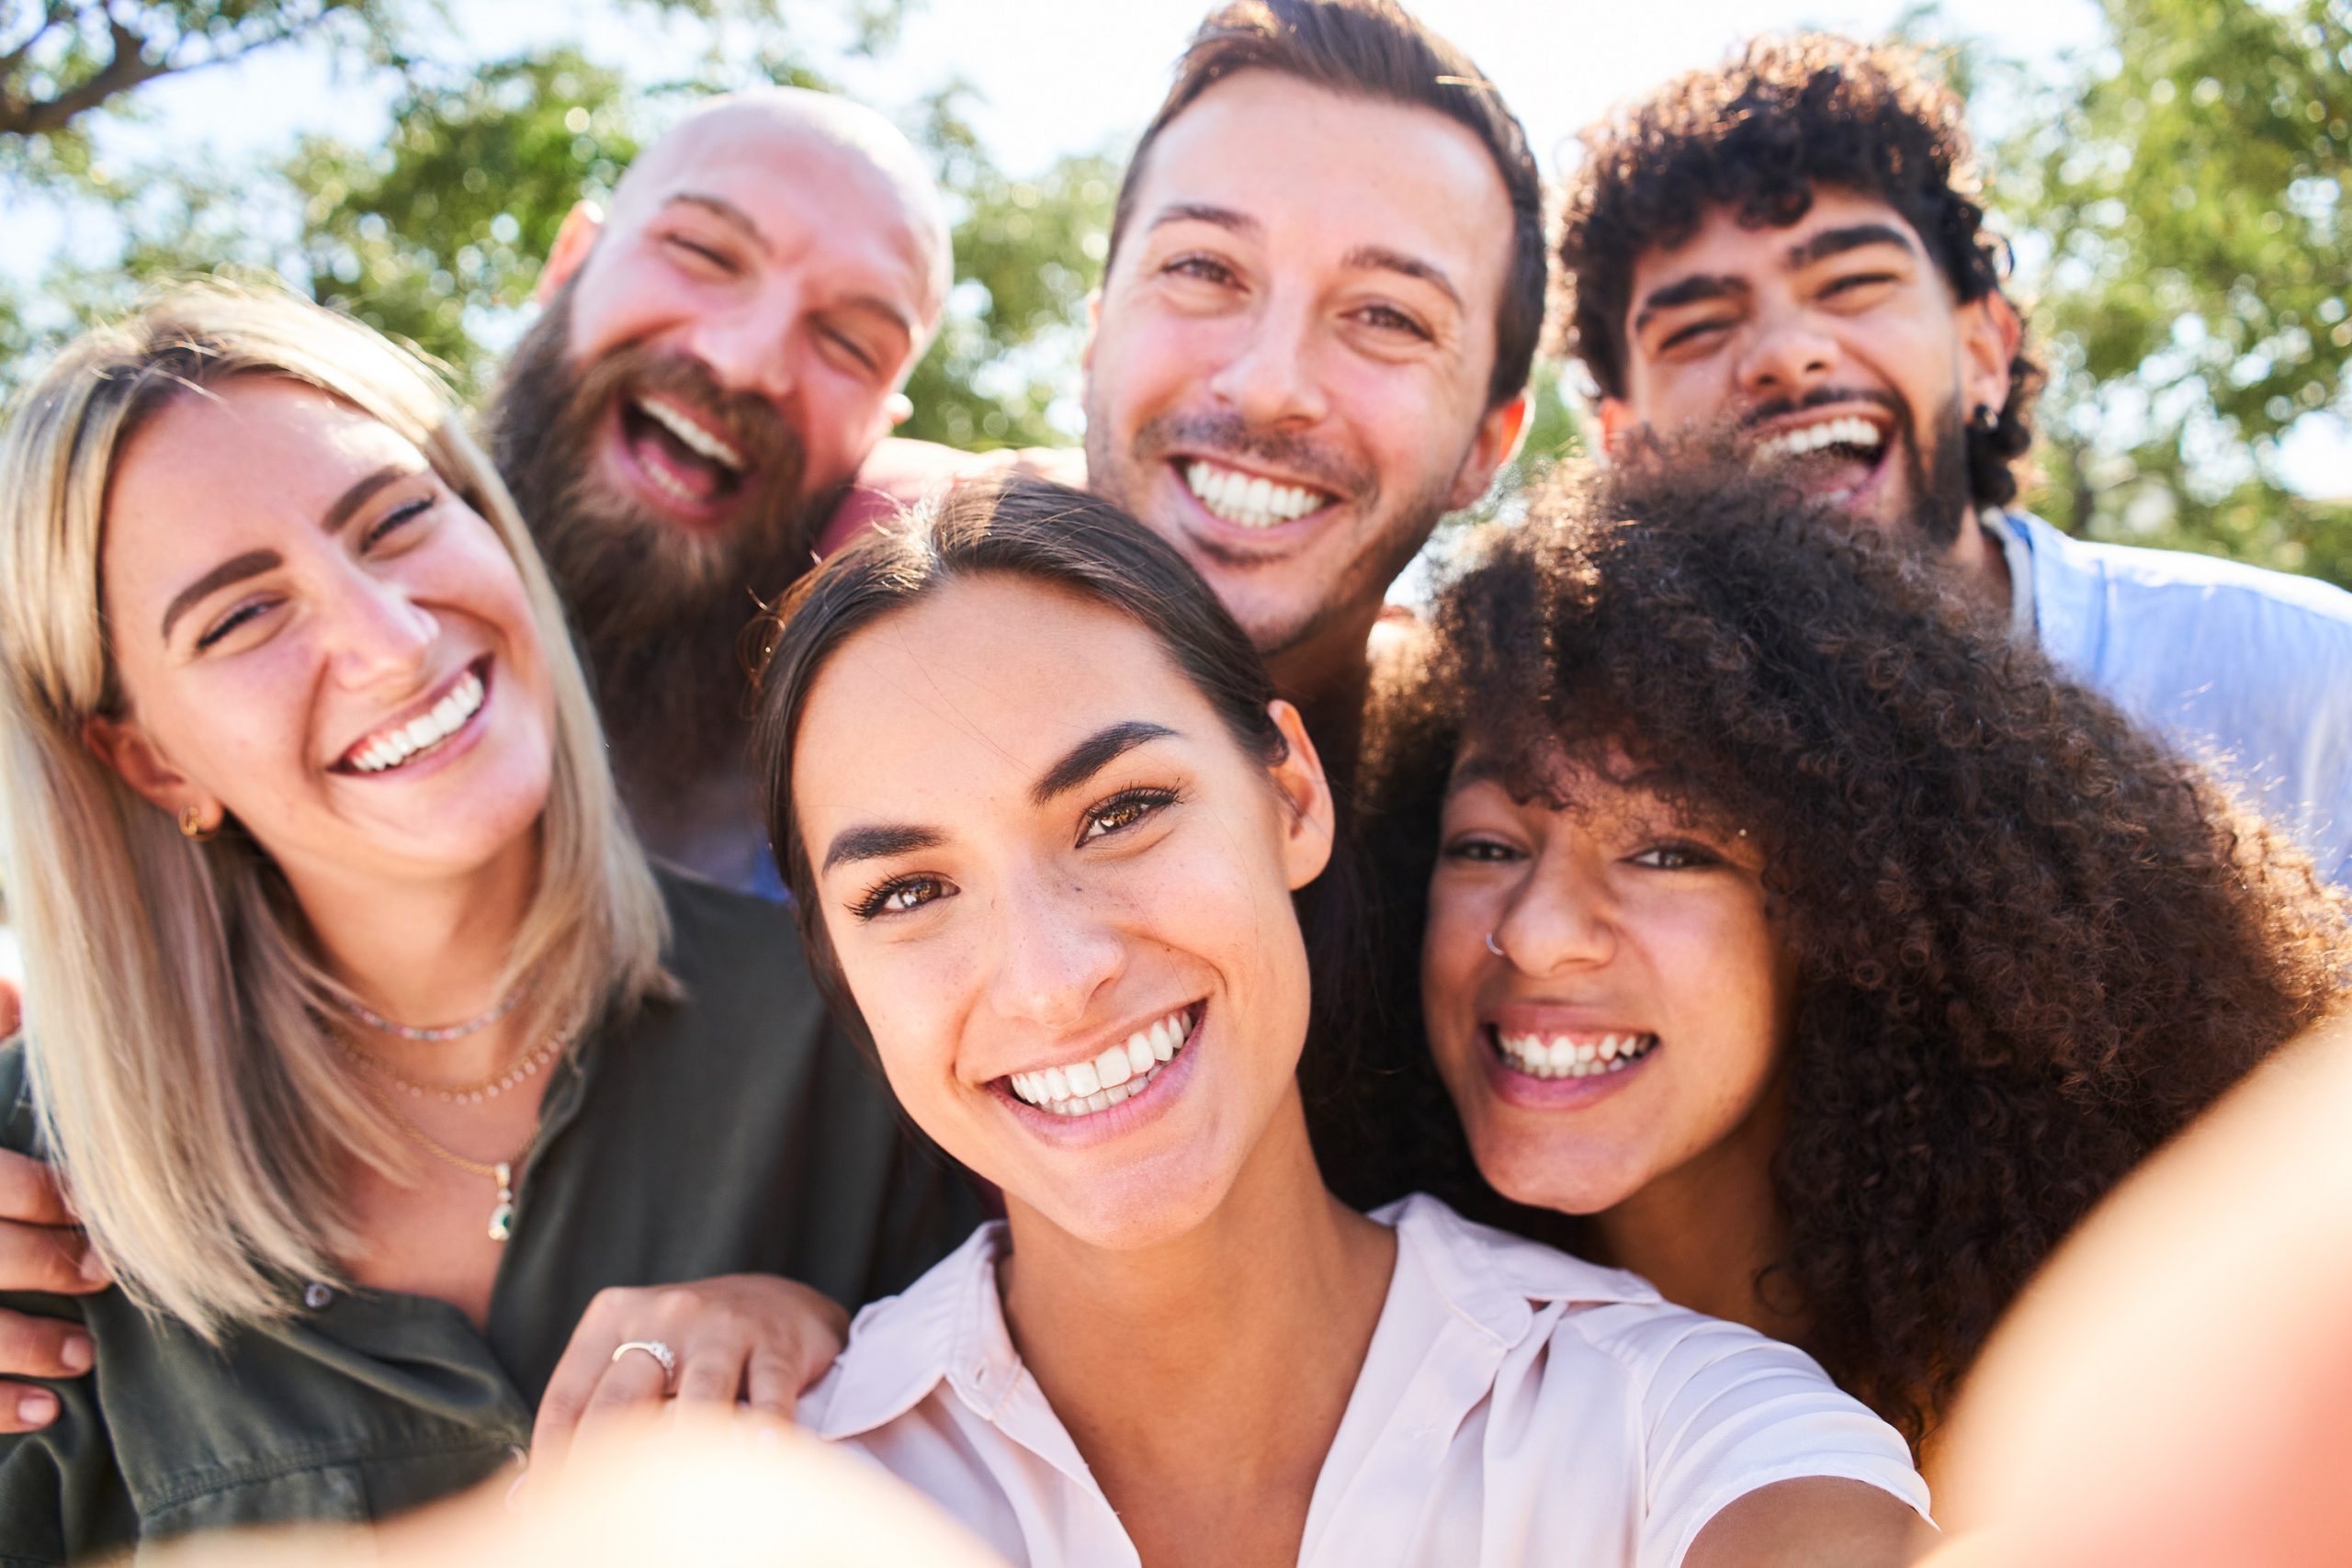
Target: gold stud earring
[{"x": 192, "y": 823}]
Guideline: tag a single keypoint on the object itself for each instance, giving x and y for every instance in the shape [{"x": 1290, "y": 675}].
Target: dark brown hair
[
  {"x": 1375, "y": 48},
  {"x": 1033, "y": 531},
  {"x": 2030, "y": 942},
  {"x": 1758, "y": 135}
]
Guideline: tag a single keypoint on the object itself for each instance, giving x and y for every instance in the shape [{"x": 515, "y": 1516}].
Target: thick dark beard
[
  {"x": 661, "y": 614},
  {"x": 1943, "y": 495},
  {"x": 1935, "y": 472}
]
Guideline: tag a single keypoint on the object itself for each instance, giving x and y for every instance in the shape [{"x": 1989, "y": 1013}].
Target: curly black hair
[
  {"x": 1758, "y": 135},
  {"x": 2030, "y": 942}
]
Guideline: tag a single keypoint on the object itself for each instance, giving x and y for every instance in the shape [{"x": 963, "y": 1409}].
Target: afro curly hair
[
  {"x": 1758, "y": 135},
  {"x": 2030, "y": 942}
]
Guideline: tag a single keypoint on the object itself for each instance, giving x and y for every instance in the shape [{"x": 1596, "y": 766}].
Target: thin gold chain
[
  {"x": 524, "y": 1064},
  {"x": 448, "y": 1156}
]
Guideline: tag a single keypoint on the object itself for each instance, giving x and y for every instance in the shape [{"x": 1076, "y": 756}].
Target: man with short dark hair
[
  {"x": 1312, "y": 340},
  {"x": 1792, "y": 245}
]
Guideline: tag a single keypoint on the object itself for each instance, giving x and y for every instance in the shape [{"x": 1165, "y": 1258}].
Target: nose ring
[{"x": 1493, "y": 947}]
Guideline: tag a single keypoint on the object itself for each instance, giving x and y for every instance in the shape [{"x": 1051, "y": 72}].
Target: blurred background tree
[
  {"x": 2177, "y": 194},
  {"x": 2187, "y": 185},
  {"x": 438, "y": 233}
]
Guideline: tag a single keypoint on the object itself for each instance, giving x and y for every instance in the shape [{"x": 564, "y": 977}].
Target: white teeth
[
  {"x": 1121, "y": 1071},
  {"x": 1559, "y": 1056},
  {"x": 693, "y": 435},
  {"x": 1847, "y": 431},
  {"x": 444, "y": 718},
  {"x": 1253, "y": 502}
]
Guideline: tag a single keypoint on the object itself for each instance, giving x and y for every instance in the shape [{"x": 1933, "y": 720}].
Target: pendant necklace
[{"x": 502, "y": 1214}]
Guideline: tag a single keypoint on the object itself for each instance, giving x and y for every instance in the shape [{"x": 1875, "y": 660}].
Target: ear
[
  {"x": 1989, "y": 335},
  {"x": 126, "y": 748},
  {"x": 1617, "y": 421},
  {"x": 1307, "y": 795},
  {"x": 574, "y": 240},
  {"x": 1093, "y": 329},
  {"x": 1499, "y": 434}
]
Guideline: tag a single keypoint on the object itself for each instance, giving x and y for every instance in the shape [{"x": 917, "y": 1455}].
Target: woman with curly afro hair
[{"x": 1792, "y": 939}]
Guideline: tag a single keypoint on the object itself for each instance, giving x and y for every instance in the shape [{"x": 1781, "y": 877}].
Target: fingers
[
  {"x": 773, "y": 1384},
  {"x": 42, "y": 1257},
  {"x": 24, "y": 1408},
  {"x": 42, "y": 1348},
  {"x": 28, "y": 1193}
]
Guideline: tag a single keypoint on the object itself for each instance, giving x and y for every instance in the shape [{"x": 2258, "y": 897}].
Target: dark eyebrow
[
  {"x": 1092, "y": 755},
  {"x": 1202, "y": 212},
  {"x": 1836, "y": 242},
  {"x": 236, "y": 569},
  {"x": 878, "y": 844},
  {"x": 1479, "y": 767},
  {"x": 726, "y": 211},
  {"x": 352, "y": 500},
  {"x": 1379, "y": 258},
  {"x": 1688, "y": 291}
]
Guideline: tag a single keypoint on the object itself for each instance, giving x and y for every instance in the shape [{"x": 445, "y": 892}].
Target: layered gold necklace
[{"x": 528, "y": 1064}]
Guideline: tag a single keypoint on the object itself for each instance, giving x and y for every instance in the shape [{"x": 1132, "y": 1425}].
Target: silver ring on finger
[{"x": 659, "y": 1352}]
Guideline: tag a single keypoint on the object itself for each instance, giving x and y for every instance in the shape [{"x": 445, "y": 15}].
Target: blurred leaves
[{"x": 2197, "y": 300}]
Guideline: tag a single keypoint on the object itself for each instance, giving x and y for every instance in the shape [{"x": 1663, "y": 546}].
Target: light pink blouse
[{"x": 1516, "y": 1407}]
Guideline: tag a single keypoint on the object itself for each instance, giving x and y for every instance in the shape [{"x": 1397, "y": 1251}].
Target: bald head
[{"x": 855, "y": 145}]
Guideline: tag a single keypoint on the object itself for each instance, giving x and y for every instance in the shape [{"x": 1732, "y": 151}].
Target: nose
[
  {"x": 747, "y": 346},
  {"x": 378, "y": 634},
  {"x": 1272, "y": 379},
  {"x": 1787, "y": 354},
  {"x": 1561, "y": 918},
  {"x": 1057, "y": 956}
]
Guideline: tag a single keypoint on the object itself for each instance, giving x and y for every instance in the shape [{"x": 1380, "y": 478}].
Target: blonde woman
[{"x": 366, "y": 1046}]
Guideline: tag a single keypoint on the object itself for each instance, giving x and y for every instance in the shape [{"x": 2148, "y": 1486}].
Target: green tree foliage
[
  {"x": 444, "y": 229},
  {"x": 437, "y": 236},
  {"x": 2190, "y": 184}
]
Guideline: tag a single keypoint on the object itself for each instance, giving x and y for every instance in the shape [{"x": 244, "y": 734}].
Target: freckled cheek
[{"x": 914, "y": 1007}]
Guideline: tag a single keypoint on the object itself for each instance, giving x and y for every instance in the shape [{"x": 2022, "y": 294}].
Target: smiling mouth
[
  {"x": 684, "y": 458},
  {"x": 1248, "y": 501},
  {"x": 1120, "y": 1072},
  {"x": 395, "y": 745},
  {"x": 1580, "y": 1055},
  {"x": 1833, "y": 456}
]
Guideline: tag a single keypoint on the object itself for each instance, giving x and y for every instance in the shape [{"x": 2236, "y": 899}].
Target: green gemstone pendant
[{"x": 502, "y": 1218}]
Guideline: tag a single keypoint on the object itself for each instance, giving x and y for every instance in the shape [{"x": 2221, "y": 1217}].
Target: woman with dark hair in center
[
  {"x": 1792, "y": 940},
  {"x": 1045, "y": 821}
]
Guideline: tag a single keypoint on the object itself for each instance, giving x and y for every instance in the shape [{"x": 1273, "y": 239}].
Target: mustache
[
  {"x": 1823, "y": 397},
  {"x": 1230, "y": 434}
]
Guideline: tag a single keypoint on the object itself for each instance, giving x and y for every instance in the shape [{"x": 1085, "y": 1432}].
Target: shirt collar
[
  {"x": 1493, "y": 1280},
  {"x": 948, "y": 1327}
]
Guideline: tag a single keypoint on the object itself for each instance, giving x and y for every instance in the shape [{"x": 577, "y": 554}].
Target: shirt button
[{"x": 316, "y": 1296}]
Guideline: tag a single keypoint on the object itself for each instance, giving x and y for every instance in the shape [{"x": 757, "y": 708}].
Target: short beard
[
  {"x": 661, "y": 611},
  {"x": 1387, "y": 555}
]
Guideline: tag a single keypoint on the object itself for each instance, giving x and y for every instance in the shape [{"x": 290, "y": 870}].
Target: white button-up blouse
[{"x": 1516, "y": 1405}]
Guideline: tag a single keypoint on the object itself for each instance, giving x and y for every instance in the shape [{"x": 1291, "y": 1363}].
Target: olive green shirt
[{"x": 733, "y": 1131}]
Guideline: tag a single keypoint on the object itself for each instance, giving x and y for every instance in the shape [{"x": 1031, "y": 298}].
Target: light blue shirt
[{"x": 2246, "y": 670}]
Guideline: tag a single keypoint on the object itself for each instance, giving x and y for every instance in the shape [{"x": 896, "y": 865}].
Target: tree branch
[{"x": 128, "y": 67}]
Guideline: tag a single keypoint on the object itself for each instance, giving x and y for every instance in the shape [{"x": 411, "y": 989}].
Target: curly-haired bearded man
[{"x": 1791, "y": 245}]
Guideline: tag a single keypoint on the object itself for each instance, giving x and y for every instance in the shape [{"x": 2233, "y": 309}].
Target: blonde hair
[{"x": 187, "y": 1088}]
